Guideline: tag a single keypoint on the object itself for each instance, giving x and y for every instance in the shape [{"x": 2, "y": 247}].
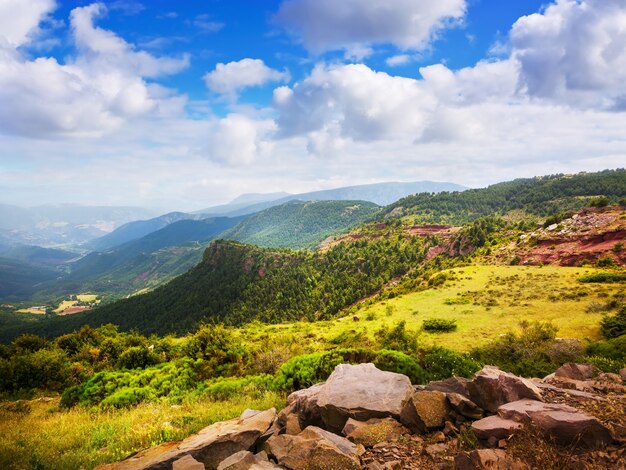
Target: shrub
[
  {"x": 137, "y": 357},
  {"x": 605, "y": 262},
  {"x": 221, "y": 354},
  {"x": 396, "y": 361},
  {"x": 397, "y": 338},
  {"x": 600, "y": 201},
  {"x": 603, "y": 277},
  {"x": 128, "y": 396},
  {"x": 28, "y": 343},
  {"x": 225, "y": 388},
  {"x": 439, "y": 325},
  {"x": 441, "y": 363},
  {"x": 42, "y": 369},
  {"x": 613, "y": 348},
  {"x": 614, "y": 325},
  {"x": 618, "y": 247}
]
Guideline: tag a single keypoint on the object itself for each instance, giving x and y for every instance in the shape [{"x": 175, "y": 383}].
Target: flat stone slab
[{"x": 495, "y": 426}]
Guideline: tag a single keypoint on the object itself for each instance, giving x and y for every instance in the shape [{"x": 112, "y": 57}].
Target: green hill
[
  {"x": 238, "y": 283},
  {"x": 299, "y": 224},
  {"x": 541, "y": 196}
]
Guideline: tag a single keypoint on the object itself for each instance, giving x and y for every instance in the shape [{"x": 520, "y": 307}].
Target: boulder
[
  {"x": 292, "y": 425},
  {"x": 372, "y": 431},
  {"x": 494, "y": 426},
  {"x": 464, "y": 406},
  {"x": 565, "y": 424},
  {"x": 491, "y": 459},
  {"x": 425, "y": 411},
  {"x": 575, "y": 371},
  {"x": 303, "y": 403},
  {"x": 187, "y": 463},
  {"x": 209, "y": 446},
  {"x": 314, "y": 449},
  {"x": 361, "y": 392},
  {"x": 450, "y": 385},
  {"x": 622, "y": 374},
  {"x": 492, "y": 388},
  {"x": 245, "y": 460}
]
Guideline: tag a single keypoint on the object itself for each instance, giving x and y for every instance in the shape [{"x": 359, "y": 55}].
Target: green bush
[
  {"x": 605, "y": 262},
  {"x": 397, "y": 338},
  {"x": 439, "y": 325},
  {"x": 441, "y": 363},
  {"x": 224, "y": 388},
  {"x": 43, "y": 369},
  {"x": 603, "y": 277},
  {"x": 128, "y": 396},
  {"x": 220, "y": 353},
  {"x": 614, "y": 348},
  {"x": 614, "y": 325},
  {"x": 137, "y": 357},
  {"x": 309, "y": 369}
]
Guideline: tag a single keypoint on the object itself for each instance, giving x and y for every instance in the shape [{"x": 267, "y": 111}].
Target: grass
[
  {"x": 36, "y": 434},
  {"x": 485, "y": 302}
]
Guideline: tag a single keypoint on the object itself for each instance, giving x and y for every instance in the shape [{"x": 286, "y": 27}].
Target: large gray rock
[
  {"x": 425, "y": 411},
  {"x": 245, "y": 460},
  {"x": 575, "y": 371},
  {"x": 487, "y": 459},
  {"x": 303, "y": 404},
  {"x": 361, "y": 392},
  {"x": 209, "y": 446},
  {"x": 314, "y": 449},
  {"x": 492, "y": 388},
  {"x": 494, "y": 426},
  {"x": 375, "y": 430},
  {"x": 563, "y": 423}
]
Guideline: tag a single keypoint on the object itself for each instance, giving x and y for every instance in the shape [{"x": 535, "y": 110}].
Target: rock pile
[{"x": 362, "y": 417}]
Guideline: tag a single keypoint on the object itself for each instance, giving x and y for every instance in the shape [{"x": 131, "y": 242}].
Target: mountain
[
  {"x": 378, "y": 193},
  {"x": 37, "y": 255},
  {"x": 62, "y": 224},
  {"x": 18, "y": 280},
  {"x": 238, "y": 283},
  {"x": 137, "y": 229},
  {"x": 242, "y": 202},
  {"x": 298, "y": 224},
  {"x": 540, "y": 196},
  {"x": 143, "y": 263}
]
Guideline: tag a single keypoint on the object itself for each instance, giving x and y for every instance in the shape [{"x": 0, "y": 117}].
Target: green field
[{"x": 485, "y": 301}]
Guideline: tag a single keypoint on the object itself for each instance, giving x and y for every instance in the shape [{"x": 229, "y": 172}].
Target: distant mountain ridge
[
  {"x": 62, "y": 224},
  {"x": 137, "y": 229},
  {"x": 378, "y": 193},
  {"x": 300, "y": 224}
]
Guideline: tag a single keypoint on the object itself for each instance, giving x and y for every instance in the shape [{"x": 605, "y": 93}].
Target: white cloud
[
  {"x": 398, "y": 60},
  {"x": 325, "y": 25},
  {"x": 356, "y": 101},
  {"x": 91, "y": 94},
  {"x": 574, "y": 53},
  {"x": 229, "y": 79},
  {"x": 19, "y": 20},
  {"x": 237, "y": 139}
]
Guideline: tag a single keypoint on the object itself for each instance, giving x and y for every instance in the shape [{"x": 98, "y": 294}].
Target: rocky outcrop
[
  {"x": 574, "y": 371},
  {"x": 492, "y": 388},
  {"x": 491, "y": 459},
  {"x": 373, "y": 431},
  {"x": 362, "y": 417},
  {"x": 314, "y": 449},
  {"x": 210, "y": 446},
  {"x": 564, "y": 424}
]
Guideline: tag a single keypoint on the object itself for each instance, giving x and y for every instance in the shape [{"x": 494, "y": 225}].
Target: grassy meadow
[{"x": 485, "y": 302}]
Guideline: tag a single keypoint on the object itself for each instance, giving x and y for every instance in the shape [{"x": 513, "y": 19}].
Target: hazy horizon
[{"x": 180, "y": 106}]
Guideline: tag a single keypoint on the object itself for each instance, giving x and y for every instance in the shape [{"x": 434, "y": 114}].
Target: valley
[{"x": 266, "y": 304}]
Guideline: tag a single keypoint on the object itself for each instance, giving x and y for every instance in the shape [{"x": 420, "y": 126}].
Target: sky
[{"x": 180, "y": 105}]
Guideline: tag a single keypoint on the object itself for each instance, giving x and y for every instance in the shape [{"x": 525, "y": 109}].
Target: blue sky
[{"x": 180, "y": 105}]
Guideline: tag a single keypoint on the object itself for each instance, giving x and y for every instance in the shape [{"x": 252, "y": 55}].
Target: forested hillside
[
  {"x": 237, "y": 283},
  {"x": 541, "y": 196},
  {"x": 300, "y": 224}
]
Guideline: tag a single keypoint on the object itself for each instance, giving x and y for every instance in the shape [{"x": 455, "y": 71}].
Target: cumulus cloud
[
  {"x": 19, "y": 20},
  {"x": 90, "y": 94},
  {"x": 237, "y": 139},
  {"x": 229, "y": 79},
  {"x": 574, "y": 52},
  {"x": 325, "y": 25},
  {"x": 356, "y": 101}
]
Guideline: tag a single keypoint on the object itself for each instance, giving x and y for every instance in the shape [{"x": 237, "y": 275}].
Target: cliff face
[{"x": 583, "y": 238}]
